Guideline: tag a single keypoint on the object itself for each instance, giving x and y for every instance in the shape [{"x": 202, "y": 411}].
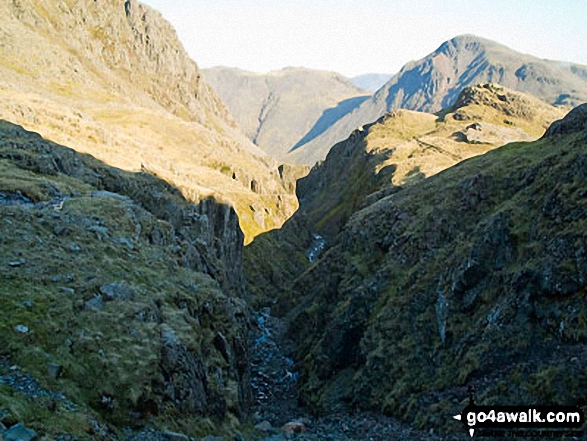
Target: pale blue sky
[{"x": 359, "y": 36}]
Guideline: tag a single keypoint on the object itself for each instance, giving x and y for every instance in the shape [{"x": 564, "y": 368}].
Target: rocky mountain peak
[
  {"x": 125, "y": 90},
  {"x": 128, "y": 45},
  {"x": 466, "y": 42}
]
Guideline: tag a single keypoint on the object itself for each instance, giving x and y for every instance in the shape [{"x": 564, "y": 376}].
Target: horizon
[{"x": 252, "y": 37}]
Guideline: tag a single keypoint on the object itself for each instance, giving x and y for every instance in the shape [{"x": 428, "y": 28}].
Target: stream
[
  {"x": 317, "y": 246},
  {"x": 278, "y": 416},
  {"x": 277, "y": 412}
]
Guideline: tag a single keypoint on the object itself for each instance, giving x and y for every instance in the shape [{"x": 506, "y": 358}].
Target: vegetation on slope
[
  {"x": 118, "y": 295},
  {"x": 476, "y": 275}
]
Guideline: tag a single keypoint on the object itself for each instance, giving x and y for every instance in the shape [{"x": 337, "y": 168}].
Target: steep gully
[{"x": 277, "y": 411}]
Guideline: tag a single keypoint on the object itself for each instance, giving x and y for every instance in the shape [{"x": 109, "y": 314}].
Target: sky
[{"x": 353, "y": 37}]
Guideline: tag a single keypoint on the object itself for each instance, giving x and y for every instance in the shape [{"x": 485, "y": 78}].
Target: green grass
[
  {"x": 393, "y": 257},
  {"x": 84, "y": 244}
]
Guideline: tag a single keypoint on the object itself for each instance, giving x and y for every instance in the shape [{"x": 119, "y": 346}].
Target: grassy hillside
[
  {"x": 475, "y": 276},
  {"x": 120, "y": 300}
]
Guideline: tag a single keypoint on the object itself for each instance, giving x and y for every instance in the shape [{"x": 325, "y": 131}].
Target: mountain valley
[{"x": 213, "y": 254}]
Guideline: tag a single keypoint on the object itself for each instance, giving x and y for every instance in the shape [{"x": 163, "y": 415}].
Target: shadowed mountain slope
[
  {"x": 475, "y": 276},
  {"x": 120, "y": 300}
]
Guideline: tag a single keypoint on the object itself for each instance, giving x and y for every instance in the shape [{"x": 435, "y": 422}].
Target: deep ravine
[{"x": 279, "y": 416}]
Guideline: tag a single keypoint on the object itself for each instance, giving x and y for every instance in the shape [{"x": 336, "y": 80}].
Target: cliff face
[
  {"x": 132, "y": 294},
  {"x": 474, "y": 276},
  {"x": 124, "y": 44},
  {"x": 125, "y": 91},
  {"x": 435, "y": 82}
]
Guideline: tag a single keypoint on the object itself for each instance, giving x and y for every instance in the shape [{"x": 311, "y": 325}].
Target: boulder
[
  {"x": 19, "y": 432},
  {"x": 116, "y": 291},
  {"x": 95, "y": 304},
  {"x": 17, "y": 263},
  {"x": 294, "y": 427}
]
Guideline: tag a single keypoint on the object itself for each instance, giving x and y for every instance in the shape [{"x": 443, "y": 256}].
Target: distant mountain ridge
[
  {"x": 283, "y": 110},
  {"x": 436, "y": 80}
]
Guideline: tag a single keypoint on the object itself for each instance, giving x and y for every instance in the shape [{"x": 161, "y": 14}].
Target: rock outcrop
[
  {"x": 125, "y": 91},
  {"x": 127, "y": 297},
  {"x": 575, "y": 122}
]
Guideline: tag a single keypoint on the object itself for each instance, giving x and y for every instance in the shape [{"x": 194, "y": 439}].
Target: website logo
[{"x": 510, "y": 419}]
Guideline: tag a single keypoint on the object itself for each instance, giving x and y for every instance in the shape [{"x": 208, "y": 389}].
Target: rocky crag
[
  {"x": 125, "y": 91},
  {"x": 121, "y": 301}
]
